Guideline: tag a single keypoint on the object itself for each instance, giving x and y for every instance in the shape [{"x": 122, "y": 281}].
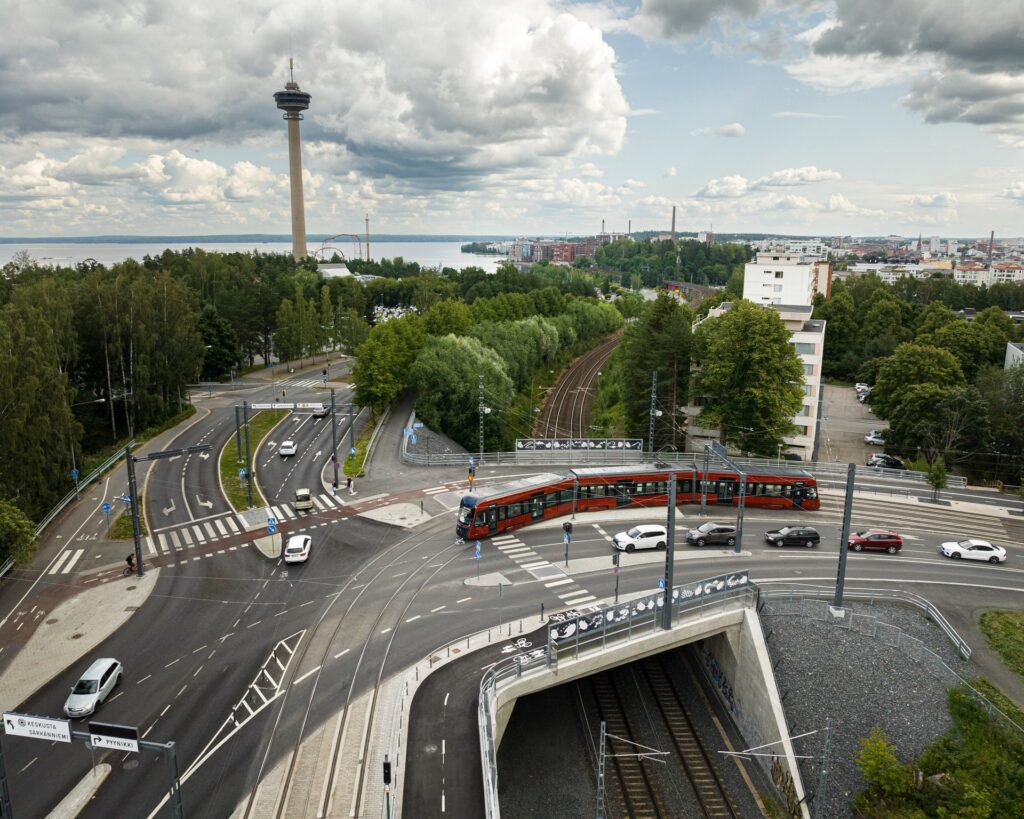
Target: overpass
[{"x": 485, "y": 676}]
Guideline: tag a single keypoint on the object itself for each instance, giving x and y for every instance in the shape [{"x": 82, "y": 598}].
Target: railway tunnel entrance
[{"x": 548, "y": 760}]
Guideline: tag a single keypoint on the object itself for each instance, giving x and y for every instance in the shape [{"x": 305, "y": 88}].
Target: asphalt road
[{"x": 373, "y": 599}]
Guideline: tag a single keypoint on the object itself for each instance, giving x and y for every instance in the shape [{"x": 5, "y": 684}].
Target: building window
[
  {"x": 778, "y": 288},
  {"x": 805, "y": 410},
  {"x": 808, "y": 369},
  {"x": 803, "y": 348},
  {"x": 778, "y": 274}
]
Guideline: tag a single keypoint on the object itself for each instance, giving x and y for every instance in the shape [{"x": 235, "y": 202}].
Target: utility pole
[
  {"x": 844, "y": 537},
  {"x": 238, "y": 432},
  {"x": 599, "y": 813},
  {"x": 654, "y": 397},
  {"x": 134, "y": 495},
  {"x": 481, "y": 408},
  {"x": 351, "y": 426},
  {"x": 248, "y": 453},
  {"x": 334, "y": 433},
  {"x": 670, "y": 553},
  {"x": 704, "y": 482}
]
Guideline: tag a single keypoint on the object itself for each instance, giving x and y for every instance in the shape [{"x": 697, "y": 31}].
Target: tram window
[
  {"x": 551, "y": 499},
  {"x": 565, "y": 496},
  {"x": 537, "y": 507},
  {"x": 515, "y": 510},
  {"x": 502, "y": 512},
  {"x": 773, "y": 490},
  {"x": 684, "y": 487},
  {"x": 787, "y": 490}
]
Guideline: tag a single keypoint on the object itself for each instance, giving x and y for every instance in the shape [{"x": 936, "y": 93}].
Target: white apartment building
[
  {"x": 1014, "y": 355},
  {"x": 810, "y": 248},
  {"x": 952, "y": 247},
  {"x": 807, "y": 335},
  {"x": 785, "y": 278}
]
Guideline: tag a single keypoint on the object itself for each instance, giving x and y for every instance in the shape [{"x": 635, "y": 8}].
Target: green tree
[
  {"x": 17, "y": 535},
  {"x": 448, "y": 316},
  {"x": 353, "y": 329},
  {"x": 751, "y": 376},
  {"x": 842, "y": 354},
  {"x": 937, "y": 477},
  {"x": 383, "y": 360},
  {"x": 889, "y": 780},
  {"x": 950, "y": 422},
  {"x": 912, "y": 364},
  {"x": 934, "y": 316},
  {"x": 220, "y": 343}
]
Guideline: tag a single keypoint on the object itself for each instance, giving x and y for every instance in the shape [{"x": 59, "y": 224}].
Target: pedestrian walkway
[{"x": 565, "y": 588}]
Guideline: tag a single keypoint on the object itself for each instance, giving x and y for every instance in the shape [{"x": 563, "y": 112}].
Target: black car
[
  {"x": 884, "y": 461},
  {"x": 793, "y": 536}
]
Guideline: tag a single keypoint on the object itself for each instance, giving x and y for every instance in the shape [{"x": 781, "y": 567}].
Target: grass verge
[
  {"x": 354, "y": 466},
  {"x": 122, "y": 527},
  {"x": 1005, "y": 633},
  {"x": 259, "y": 425}
]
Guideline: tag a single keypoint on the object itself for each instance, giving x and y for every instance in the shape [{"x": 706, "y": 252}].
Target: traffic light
[
  {"x": 325, "y": 372},
  {"x": 284, "y": 393},
  {"x": 615, "y": 558},
  {"x": 567, "y": 527},
  {"x": 387, "y": 772}
]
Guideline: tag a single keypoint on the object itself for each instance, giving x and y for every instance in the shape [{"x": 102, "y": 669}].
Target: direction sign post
[
  {"x": 115, "y": 737},
  {"x": 477, "y": 557},
  {"x": 106, "y": 512},
  {"x": 23, "y": 725}
]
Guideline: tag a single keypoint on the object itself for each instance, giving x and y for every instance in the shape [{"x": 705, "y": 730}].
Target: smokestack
[
  {"x": 673, "y": 223},
  {"x": 629, "y": 228},
  {"x": 602, "y": 225},
  {"x": 991, "y": 241}
]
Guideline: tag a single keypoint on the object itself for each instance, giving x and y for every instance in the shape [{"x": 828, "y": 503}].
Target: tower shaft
[{"x": 298, "y": 204}]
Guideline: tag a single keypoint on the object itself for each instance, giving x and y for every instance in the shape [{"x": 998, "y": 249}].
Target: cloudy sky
[{"x": 519, "y": 117}]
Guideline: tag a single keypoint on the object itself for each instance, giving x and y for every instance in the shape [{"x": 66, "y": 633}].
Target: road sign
[
  {"x": 271, "y": 520},
  {"x": 271, "y": 529},
  {"x": 74, "y": 474},
  {"x": 241, "y": 472},
  {"x": 661, "y": 582},
  {"x": 418, "y": 425},
  {"x": 275, "y": 405},
  {"x": 477, "y": 555},
  {"x": 22, "y": 725},
  {"x": 324, "y": 379},
  {"x": 106, "y": 508},
  {"x": 116, "y": 737},
  {"x": 412, "y": 439},
  {"x": 566, "y": 538}
]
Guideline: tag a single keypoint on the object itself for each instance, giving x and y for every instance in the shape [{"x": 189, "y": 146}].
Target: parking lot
[{"x": 844, "y": 423}]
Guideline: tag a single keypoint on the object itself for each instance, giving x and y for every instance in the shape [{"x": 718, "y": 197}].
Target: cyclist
[{"x": 130, "y": 560}]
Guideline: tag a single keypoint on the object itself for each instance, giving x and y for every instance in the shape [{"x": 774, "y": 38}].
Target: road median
[{"x": 232, "y": 482}]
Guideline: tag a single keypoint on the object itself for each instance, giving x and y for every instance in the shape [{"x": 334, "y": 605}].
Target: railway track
[
  {"x": 302, "y": 794},
  {"x": 638, "y": 795},
  {"x": 566, "y": 412},
  {"x": 696, "y": 763}
]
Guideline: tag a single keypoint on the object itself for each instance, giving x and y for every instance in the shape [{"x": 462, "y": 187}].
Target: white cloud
[
  {"x": 727, "y": 187},
  {"x": 944, "y": 199},
  {"x": 837, "y": 202},
  {"x": 733, "y": 129},
  {"x": 590, "y": 170},
  {"x": 1015, "y": 192},
  {"x": 670, "y": 171},
  {"x": 839, "y": 73},
  {"x": 633, "y": 184},
  {"x": 803, "y": 115},
  {"x": 789, "y": 177},
  {"x": 674, "y": 20}
]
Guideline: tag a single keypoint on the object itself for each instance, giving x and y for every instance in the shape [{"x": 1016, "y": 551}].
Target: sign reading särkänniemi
[{"x": 48, "y": 728}]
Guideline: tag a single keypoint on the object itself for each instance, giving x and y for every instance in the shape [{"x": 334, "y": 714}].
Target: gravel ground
[{"x": 859, "y": 682}]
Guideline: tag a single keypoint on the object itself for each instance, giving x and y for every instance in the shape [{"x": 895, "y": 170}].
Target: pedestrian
[{"x": 348, "y": 485}]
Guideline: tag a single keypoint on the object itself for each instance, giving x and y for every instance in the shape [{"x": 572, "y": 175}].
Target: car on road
[
  {"x": 321, "y": 411},
  {"x": 297, "y": 549},
  {"x": 303, "y": 500},
  {"x": 287, "y": 448},
  {"x": 875, "y": 438},
  {"x": 93, "y": 687},
  {"x": 883, "y": 461},
  {"x": 712, "y": 534},
  {"x": 973, "y": 549},
  {"x": 647, "y": 536},
  {"x": 879, "y": 540},
  {"x": 793, "y": 536}
]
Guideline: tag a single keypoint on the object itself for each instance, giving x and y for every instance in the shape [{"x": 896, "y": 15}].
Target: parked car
[
  {"x": 711, "y": 534},
  {"x": 875, "y": 438},
  {"x": 297, "y": 549},
  {"x": 793, "y": 536},
  {"x": 287, "y": 448},
  {"x": 864, "y": 397},
  {"x": 973, "y": 549},
  {"x": 860, "y": 386},
  {"x": 647, "y": 536},
  {"x": 791, "y": 456},
  {"x": 877, "y": 539},
  {"x": 93, "y": 687},
  {"x": 883, "y": 461}
]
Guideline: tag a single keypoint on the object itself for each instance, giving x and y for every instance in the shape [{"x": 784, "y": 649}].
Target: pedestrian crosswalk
[
  {"x": 66, "y": 561},
  {"x": 199, "y": 533},
  {"x": 553, "y": 578}
]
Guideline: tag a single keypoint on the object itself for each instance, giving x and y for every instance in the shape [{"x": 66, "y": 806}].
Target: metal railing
[
  {"x": 74, "y": 493},
  {"x": 6, "y": 567},
  {"x": 827, "y": 593},
  {"x": 577, "y": 457}
]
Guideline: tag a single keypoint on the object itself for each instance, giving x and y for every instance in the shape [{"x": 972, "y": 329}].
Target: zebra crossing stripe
[
  {"x": 60, "y": 561},
  {"x": 174, "y": 540},
  {"x": 210, "y": 531},
  {"x": 200, "y": 537},
  {"x": 576, "y": 602},
  {"x": 186, "y": 536},
  {"x": 150, "y": 546},
  {"x": 561, "y": 582},
  {"x": 74, "y": 559},
  {"x": 319, "y": 504},
  {"x": 536, "y": 565},
  {"x": 581, "y": 596},
  {"x": 161, "y": 539},
  {"x": 330, "y": 501},
  {"x": 232, "y": 525},
  {"x": 221, "y": 527}
]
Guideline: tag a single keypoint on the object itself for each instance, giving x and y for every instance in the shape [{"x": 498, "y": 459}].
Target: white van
[{"x": 303, "y": 500}]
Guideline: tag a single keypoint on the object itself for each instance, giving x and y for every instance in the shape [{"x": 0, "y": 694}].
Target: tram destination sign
[{"x": 24, "y": 725}]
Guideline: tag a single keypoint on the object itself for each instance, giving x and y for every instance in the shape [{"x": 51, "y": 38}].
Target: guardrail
[
  {"x": 74, "y": 493},
  {"x": 374, "y": 437},
  {"x": 770, "y": 590},
  {"x": 6, "y": 567},
  {"x": 592, "y": 457}
]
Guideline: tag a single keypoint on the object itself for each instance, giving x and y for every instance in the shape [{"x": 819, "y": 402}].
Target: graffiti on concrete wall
[
  {"x": 720, "y": 681},
  {"x": 783, "y": 781}
]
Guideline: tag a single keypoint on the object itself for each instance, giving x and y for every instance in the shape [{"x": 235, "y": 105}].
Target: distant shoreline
[{"x": 235, "y": 238}]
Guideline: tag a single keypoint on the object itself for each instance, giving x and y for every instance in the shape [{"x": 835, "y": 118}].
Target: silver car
[{"x": 93, "y": 688}]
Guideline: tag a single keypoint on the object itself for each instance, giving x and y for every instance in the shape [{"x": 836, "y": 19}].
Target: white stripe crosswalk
[{"x": 567, "y": 590}]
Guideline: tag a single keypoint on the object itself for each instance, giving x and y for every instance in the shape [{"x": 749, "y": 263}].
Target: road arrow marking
[
  {"x": 204, "y": 455},
  {"x": 174, "y": 458},
  {"x": 168, "y": 509},
  {"x": 319, "y": 452},
  {"x": 207, "y": 504},
  {"x": 271, "y": 444}
]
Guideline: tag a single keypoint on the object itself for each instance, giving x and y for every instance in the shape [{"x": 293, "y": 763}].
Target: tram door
[
  {"x": 799, "y": 494},
  {"x": 537, "y": 507},
  {"x": 492, "y": 520},
  {"x": 624, "y": 493},
  {"x": 725, "y": 489}
]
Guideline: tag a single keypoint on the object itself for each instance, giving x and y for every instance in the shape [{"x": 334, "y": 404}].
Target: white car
[
  {"x": 862, "y": 387},
  {"x": 287, "y": 448},
  {"x": 973, "y": 549},
  {"x": 647, "y": 536},
  {"x": 875, "y": 438},
  {"x": 94, "y": 686},
  {"x": 297, "y": 549}
]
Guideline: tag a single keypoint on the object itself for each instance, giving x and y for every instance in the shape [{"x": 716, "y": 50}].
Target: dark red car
[{"x": 877, "y": 539}]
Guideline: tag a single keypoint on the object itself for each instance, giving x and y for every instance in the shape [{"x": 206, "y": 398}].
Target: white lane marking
[
  {"x": 162, "y": 541},
  {"x": 385, "y": 631},
  {"x": 558, "y": 583},
  {"x": 210, "y": 530},
  {"x": 150, "y": 546},
  {"x": 200, "y": 537},
  {"x": 71, "y": 563},
  {"x": 307, "y": 674},
  {"x": 186, "y": 537},
  {"x": 175, "y": 541},
  {"x": 446, "y": 696},
  {"x": 344, "y": 651},
  {"x": 232, "y": 525},
  {"x": 535, "y": 565},
  {"x": 137, "y": 682},
  {"x": 464, "y": 600},
  {"x": 434, "y": 611},
  {"x": 414, "y": 617}
]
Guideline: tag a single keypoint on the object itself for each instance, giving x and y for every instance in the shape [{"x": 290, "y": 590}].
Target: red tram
[{"x": 593, "y": 489}]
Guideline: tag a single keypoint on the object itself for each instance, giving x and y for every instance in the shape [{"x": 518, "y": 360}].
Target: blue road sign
[
  {"x": 241, "y": 472},
  {"x": 324, "y": 379},
  {"x": 472, "y": 461},
  {"x": 566, "y": 538},
  {"x": 271, "y": 521},
  {"x": 615, "y": 570},
  {"x": 406, "y": 431},
  {"x": 418, "y": 425},
  {"x": 271, "y": 529},
  {"x": 477, "y": 555},
  {"x": 661, "y": 582},
  {"x": 352, "y": 452},
  {"x": 74, "y": 474},
  {"x": 412, "y": 438},
  {"x": 106, "y": 508}
]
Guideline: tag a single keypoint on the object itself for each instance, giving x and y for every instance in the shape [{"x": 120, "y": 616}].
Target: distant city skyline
[{"x": 534, "y": 117}]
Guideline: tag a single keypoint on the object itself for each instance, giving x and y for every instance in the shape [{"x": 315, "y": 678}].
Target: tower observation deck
[{"x": 293, "y": 101}]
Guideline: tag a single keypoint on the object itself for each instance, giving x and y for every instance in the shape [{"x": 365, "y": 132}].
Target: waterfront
[{"x": 428, "y": 254}]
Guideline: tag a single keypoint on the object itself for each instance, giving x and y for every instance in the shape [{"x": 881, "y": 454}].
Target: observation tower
[{"x": 293, "y": 102}]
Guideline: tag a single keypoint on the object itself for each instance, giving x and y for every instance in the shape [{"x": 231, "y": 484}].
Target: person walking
[{"x": 348, "y": 485}]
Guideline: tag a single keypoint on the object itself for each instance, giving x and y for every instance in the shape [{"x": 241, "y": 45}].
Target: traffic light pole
[
  {"x": 334, "y": 434},
  {"x": 248, "y": 453},
  {"x": 670, "y": 554},
  {"x": 238, "y": 433},
  {"x": 844, "y": 538}
]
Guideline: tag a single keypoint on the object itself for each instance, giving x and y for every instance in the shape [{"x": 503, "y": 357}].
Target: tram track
[
  {"x": 290, "y": 800},
  {"x": 566, "y": 412}
]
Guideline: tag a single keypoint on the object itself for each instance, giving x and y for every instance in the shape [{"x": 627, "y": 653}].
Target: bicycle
[{"x": 129, "y": 570}]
